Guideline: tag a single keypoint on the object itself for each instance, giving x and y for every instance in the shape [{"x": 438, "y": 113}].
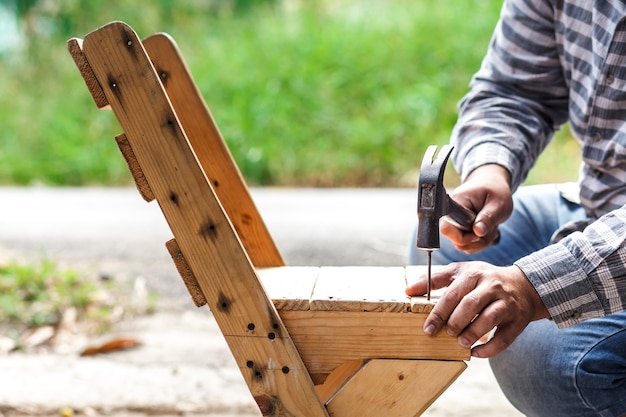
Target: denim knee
[
  {"x": 601, "y": 370},
  {"x": 578, "y": 371}
]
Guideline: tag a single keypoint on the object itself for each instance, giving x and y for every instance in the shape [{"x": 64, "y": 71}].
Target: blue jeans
[{"x": 574, "y": 372}]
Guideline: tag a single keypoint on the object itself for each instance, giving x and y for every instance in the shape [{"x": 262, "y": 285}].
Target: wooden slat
[
  {"x": 327, "y": 339},
  {"x": 211, "y": 151},
  {"x": 397, "y": 388},
  {"x": 185, "y": 272},
  {"x": 244, "y": 313},
  {"x": 360, "y": 288},
  {"x": 352, "y": 288},
  {"x": 133, "y": 166},
  {"x": 75, "y": 48},
  {"x": 289, "y": 288},
  {"x": 337, "y": 378}
]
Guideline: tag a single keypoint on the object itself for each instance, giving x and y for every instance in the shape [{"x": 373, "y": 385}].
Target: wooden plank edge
[
  {"x": 185, "y": 273},
  {"x": 75, "y": 48},
  {"x": 133, "y": 166}
]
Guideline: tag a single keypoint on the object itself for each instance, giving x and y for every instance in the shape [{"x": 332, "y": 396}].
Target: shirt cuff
[
  {"x": 562, "y": 285},
  {"x": 489, "y": 153}
]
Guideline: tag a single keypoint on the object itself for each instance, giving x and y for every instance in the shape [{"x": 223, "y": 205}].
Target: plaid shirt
[{"x": 551, "y": 62}]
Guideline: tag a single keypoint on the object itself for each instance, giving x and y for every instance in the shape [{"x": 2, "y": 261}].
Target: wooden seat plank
[
  {"x": 290, "y": 288},
  {"x": 360, "y": 288}
]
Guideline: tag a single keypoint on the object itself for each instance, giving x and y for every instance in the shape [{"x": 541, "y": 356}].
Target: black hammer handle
[{"x": 463, "y": 217}]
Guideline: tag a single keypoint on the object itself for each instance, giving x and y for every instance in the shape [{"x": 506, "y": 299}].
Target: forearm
[
  {"x": 516, "y": 100},
  {"x": 499, "y": 130}
]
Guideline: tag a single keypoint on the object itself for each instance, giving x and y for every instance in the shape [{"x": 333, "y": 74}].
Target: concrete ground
[{"x": 183, "y": 366}]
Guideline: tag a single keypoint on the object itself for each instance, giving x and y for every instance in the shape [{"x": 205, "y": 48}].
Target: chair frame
[{"x": 299, "y": 355}]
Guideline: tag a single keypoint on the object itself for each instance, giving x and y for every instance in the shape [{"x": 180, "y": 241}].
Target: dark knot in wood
[{"x": 266, "y": 404}]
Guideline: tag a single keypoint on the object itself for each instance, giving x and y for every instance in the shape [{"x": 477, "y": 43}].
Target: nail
[{"x": 429, "y": 330}]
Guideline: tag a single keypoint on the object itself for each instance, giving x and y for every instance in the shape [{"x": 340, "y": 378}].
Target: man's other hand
[{"x": 479, "y": 298}]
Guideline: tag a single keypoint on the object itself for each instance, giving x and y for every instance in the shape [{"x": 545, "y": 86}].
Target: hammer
[{"x": 433, "y": 202}]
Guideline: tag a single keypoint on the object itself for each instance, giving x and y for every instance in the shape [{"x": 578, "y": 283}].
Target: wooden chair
[{"x": 326, "y": 341}]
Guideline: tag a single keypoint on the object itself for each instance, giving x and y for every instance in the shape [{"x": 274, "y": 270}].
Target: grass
[
  {"x": 36, "y": 295},
  {"x": 344, "y": 93},
  {"x": 353, "y": 94}
]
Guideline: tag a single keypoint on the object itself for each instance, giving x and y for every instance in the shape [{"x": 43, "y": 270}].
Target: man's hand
[
  {"x": 481, "y": 297},
  {"x": 487, "y": 192}
]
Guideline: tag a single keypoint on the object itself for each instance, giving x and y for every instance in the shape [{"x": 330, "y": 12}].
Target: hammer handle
[{"x": 463, "y": 217}]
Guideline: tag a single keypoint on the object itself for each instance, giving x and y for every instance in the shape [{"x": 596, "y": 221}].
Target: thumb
[
  {"x": 481, "y": 228},
  {"x": 492, "y": 214}
]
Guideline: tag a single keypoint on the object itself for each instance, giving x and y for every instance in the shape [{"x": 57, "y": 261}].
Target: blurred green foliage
[
  {"x": 34, "y": 295},
  {"x": 326, "y": 93}
]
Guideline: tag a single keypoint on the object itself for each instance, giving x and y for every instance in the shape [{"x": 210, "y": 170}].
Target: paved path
[{"x": 183, "y": 365}]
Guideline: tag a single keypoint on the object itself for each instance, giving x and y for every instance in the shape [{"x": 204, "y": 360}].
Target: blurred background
[
  {"x": 309, "y": 95},
  {"x": 342, "y": 93}
]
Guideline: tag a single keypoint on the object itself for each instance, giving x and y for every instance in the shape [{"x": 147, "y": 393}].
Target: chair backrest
[{"x": 180, "y": 160}]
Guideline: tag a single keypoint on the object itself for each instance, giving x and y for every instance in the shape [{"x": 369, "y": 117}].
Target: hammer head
[{"x": 432, "y": 196}]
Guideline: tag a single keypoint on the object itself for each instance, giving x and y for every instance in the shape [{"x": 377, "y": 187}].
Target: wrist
[
  {"x": 490, "y": 173},
  {"x": 536, "y": 304}
]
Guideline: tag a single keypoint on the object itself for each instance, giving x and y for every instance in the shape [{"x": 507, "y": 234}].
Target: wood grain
[
  {"x": 391, "y": 387},
  {"x": 327, "y": 339}
]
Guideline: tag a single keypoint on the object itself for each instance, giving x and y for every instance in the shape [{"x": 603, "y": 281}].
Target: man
[{"x": 554, "y": 286}]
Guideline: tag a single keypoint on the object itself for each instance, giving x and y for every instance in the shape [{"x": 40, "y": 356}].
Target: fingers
[
  {"x": 470, "y": 321},
  {"x": 456, "y": 312},
  {"x": 483, "y": 322},
  {"x": 487, "y": 192},
  {"x": 447, "y": 304},
  {"x": 482, "y": 297},
  {"x": 469, "y": 242},
  {"x": 440, "y": 278},
  {"x": 504, "y": 335}
]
